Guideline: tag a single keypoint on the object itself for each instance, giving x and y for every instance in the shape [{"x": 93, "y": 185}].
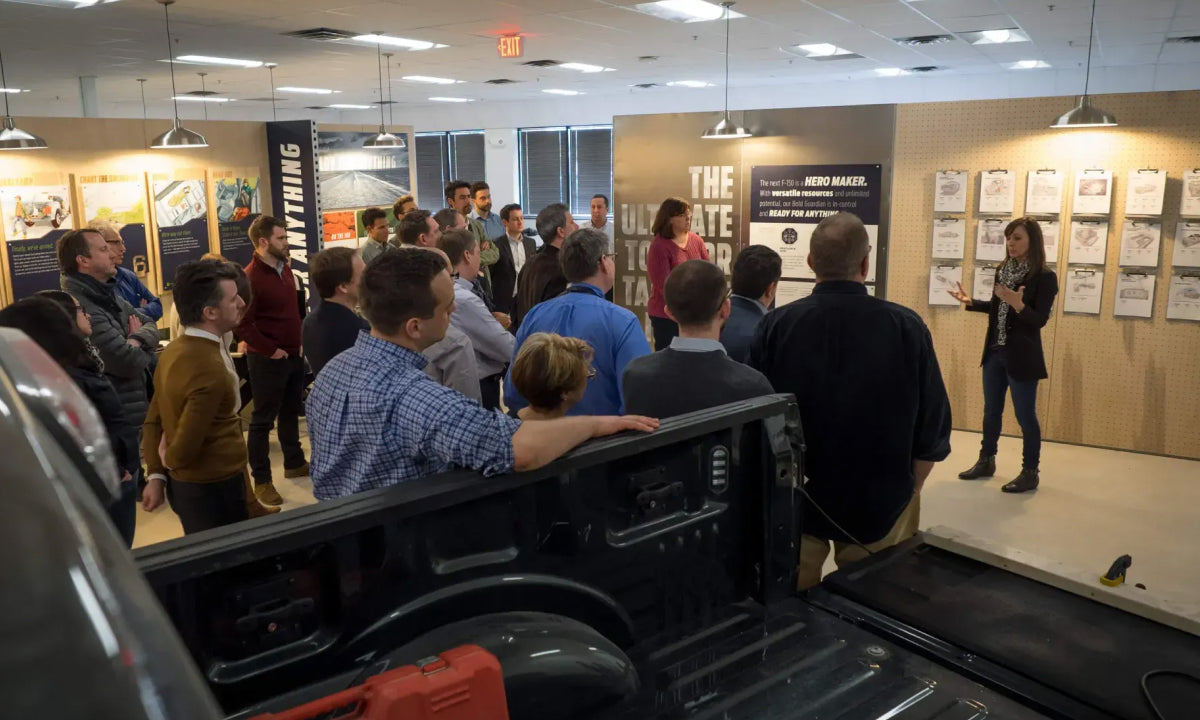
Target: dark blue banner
[
  {"x": 180, "y": 244},
  {"x": 806, "y": 193},
  {"x": 235, "y": 240},
  {"x": 137, "y": 251},
  {"x": 33, "y": 264},
  {"x": 292, "y": 163}
]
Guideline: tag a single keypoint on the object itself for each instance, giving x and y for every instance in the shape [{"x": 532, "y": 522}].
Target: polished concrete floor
[{"x": 1093, "y": 505}]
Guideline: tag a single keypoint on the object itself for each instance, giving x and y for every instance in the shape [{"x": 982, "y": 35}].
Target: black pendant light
[
  {"x": 178, "y": 137},
  {"x": 384, "y": 140},
  {"x": 726, "y": 130},
  {"x": 1086, "y": 115},
  {"x": 11, "y": 136}
]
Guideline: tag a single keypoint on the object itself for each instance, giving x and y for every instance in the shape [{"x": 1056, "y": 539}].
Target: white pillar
[{"x": 89, "y": 100}]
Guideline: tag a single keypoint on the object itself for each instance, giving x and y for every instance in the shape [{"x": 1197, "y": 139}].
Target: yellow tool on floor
[{"x": 1116, "y": 574}]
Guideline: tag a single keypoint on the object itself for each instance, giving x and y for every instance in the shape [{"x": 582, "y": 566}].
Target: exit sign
[{"x": 510, "y": 46}]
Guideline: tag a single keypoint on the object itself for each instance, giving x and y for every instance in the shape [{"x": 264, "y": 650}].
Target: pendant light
[
  {"x": 13, "y": 137},
  {"x": 384, "y": 140},
  {"x": 142, "y": 87},
  {"x": 274, "y": 112},
  {"x": 1085, "y": 114},
  {"x": 726, "y": 130},
  {"x": 178, "y": 137}
]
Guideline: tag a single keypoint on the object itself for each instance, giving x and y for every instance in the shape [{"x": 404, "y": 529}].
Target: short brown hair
[
  {"x": 446, "y": 218},
  {"x": 371, "y": 215},
  {"x": 398, "y": 286},
  {"x": 413, "y": 225},
  {"x": 398, "y": 206},
  {"x": 197, "y": 286},
  {"x": 838, "y": 246},
  {"x": 263, "y": 227},
  {"x": 670, "y": 208},
  {"x": 456, "y": 244},
  {"x": 548, "y": 366},
  {"x": 695, "y": 291},
  {"x": 331, "y": 267},
  {"x": 71, "y": 247}
]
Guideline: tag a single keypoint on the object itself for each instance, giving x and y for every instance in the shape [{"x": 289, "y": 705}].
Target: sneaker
[
  {"x": 296, "y": 472},
  {"x": 267, "y": 494}
]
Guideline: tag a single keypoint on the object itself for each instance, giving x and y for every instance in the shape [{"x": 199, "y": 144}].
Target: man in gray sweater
[{"x": 694, "y": 373}]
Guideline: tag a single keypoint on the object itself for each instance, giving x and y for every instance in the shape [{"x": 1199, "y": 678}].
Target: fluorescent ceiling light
[
  {"x": 1029, "y": 64},
  {"x": 59, "y": 3},
  {"x": 584, "y": 67},
  {"x": 12, "y": 91},
  {"x": 824, "y": 50},
  {"x": 347, "y": 106},
  {"x": 556, "y": 91},
  {"x": 201, "y": 98},
  {"x": 689, "y": 84},
  {"x": 890, "y": 72},
  {"x": 431, "y": 80},
  {"x": 210, "y": 60},
  {"x": 685, "y": 10},
  {"x": 995, "y": 37},
  {"x": 451, "y": 99},
  {"x": 399, "y": 42},
  {"x": 308, "y": 91}
]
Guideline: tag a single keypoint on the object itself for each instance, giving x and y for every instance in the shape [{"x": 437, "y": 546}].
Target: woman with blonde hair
[
  {"x": 674, "y": 243},
  {"x": 552, "y": 373}
]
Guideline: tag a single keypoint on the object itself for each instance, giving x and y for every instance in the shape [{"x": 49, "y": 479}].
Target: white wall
[{"x": 501, "y": 166}]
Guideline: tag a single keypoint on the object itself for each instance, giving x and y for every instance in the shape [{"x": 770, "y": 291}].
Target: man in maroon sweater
[{"x": 271, "y": 331}]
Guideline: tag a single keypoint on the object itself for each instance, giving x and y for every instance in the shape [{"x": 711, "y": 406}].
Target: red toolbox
[{"x": 462, "y": 684}]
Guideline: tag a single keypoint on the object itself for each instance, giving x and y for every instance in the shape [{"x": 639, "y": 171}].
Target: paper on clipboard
[
  {"x": 1135, "y": 295},
  {"x": 1183, "y": 298},
  {"x": 943, "y": 279},
  {"x": 985, "y": 281},
  {"x": 1083, "y": 289},
  {"x": 1044, "y": 192},
  {"x": 1093, "y": 192},
  {"x": 1089, "y": 242},
  {"x": 1139, "y": 243},
  {"x": 1187, "y": 245},
  {"x": 950, "y": 191},
  {"x": 989, "y": 240},
  {"x": 996, "y": 190},
  {"x": 949, "y": 238},
  {"x": 1145, "y": 192}
]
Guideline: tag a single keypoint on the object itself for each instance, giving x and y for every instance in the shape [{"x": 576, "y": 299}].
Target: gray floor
[{"x": 1093, "y": 505}]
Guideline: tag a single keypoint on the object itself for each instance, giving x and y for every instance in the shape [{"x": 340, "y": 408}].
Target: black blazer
[
  {"x": 1026, "y": 360},
  {"x": 504, "y": 272}
]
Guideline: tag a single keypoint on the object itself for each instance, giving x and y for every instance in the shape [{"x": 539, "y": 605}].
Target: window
[
  {"x": 445, "y": 156},
  {"x": 565, "y": 165}
]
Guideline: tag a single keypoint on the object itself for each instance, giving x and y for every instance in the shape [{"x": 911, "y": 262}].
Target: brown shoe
[
  {"x": 255, "y": 509},
  {"x": 267, "y": 494},
  {"x": 296, "y": 472}
]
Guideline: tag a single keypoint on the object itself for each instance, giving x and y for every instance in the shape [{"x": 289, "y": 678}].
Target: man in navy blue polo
[{"x": 614, "y": 333}]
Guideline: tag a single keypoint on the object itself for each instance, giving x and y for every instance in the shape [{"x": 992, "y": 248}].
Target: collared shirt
[
  {"x": 226, "y": 358},
  {"x": 614, "y": 333},
  {"x": 452, "y": 363},
  {"x": 492, "y": 223},
  {"x": 517, "y": 245},
  {"x": 606, "y": 228},
  {"x": 493, "y": 344},
  {"x": 871, "y": 400},
  {"x": 696, "y": 345},
  {"x": 376, "y": 419},
  {"x": 744, "y": 316},
  {"x": 372, "y": 249}
]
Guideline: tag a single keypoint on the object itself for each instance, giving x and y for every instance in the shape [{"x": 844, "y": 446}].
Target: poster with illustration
[
  {"x": 181, "y": 215},
  {"x": 122, "y": 202},
  {"x": 238, "y": 205},
  {"x": 352, "y": 177},
  {"x": 34, "y": 217},
  {"x": 338, "y": 229}
]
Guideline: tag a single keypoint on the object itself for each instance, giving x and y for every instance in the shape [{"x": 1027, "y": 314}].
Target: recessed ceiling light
[
  {"x": 689, "y": 84},
  {"x": 995, "y": 37},
  {"x": 431, "y": 80},
  {"x": 823, "y": 50},
  {"x": 584, "y": 67},
  {"x": 373, "y": 39},
  {"x": 308, "y": 90},
  {"x": 890, "y": 72},
  {"x": 196, "y": 98},
  {"x": 210, "y": 60},
  {"x": 1029, "y": 64},
  {"x": 685, "y": 10},
  {"x": 452, "y": 99},
  {"x": 347, "y": 106},
  {"x": 556, "y": 91}
]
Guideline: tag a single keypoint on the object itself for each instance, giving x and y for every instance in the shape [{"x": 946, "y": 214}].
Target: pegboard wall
[{"x": 1123, "y": 383}]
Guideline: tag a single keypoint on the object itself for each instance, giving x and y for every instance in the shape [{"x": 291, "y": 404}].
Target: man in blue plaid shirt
[{"x": 376, "y": 419}]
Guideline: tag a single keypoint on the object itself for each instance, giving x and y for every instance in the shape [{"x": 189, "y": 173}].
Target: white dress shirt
[
  {"x": 606, "y": 228},
  {"x": 518, "y": 254}
]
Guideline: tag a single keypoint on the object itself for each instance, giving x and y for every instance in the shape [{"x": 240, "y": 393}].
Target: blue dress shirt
[
  {"x": 614, "y": 333},
  {"x": 492, "y": 223},
  {"x": 376, "y": 419},
  {"x": 744, "y": 316},
  {"x": 135, "y": 292}
]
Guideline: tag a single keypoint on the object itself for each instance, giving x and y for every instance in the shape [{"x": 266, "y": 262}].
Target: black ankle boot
[
  {"x": 985, "y": 467},
  {"x": 1026, "y": 481}
]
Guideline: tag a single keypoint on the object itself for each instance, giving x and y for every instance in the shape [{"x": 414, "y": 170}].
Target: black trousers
[
  {"x": 489, "y": 391},
  {"x": 278, "y": 388},
  {"x": 665, "y": 330},
  {"x": 203, "y": 506}
]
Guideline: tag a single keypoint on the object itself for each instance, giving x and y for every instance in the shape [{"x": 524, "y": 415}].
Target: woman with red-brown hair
[{"x": 674, "y": 244}]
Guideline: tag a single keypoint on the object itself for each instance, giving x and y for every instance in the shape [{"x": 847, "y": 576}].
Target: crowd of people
[{"x": 459, "y": 341}]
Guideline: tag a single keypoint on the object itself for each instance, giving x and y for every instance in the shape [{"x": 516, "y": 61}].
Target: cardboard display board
[
  {"x": 236, "y": 203},
  {"x": 179, "y": 209},
  {"x": 120, "y": 200},
  {"x": 36, "y": 210}
]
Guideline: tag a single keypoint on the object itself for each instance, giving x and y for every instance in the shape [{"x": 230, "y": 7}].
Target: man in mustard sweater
[{"x": 192, "y": 431}]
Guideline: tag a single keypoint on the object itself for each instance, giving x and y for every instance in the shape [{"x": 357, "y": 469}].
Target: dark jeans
[
  {"x": 996, "y": 381},
  {"x": 123, "y": 511},
  {"x": 203, "y": 506},
  {"x": 489, "y": 391},
  {"x": 278, "y": 388},
  {"x": 665, "y": 330}
]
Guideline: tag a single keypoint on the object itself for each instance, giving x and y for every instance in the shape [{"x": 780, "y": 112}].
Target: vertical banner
[
  {"x": 788, "y": 201},
  {"x": 295, "y": 198},
  {"x": 181, "y": 224},
  {"x": 120, "y": 200},
  {"x": 34, "y": 217},
  {"x": 237, "y": 205}
]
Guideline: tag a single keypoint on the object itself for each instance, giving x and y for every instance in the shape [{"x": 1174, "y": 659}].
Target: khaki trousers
[{"x": 814, "y": 550}]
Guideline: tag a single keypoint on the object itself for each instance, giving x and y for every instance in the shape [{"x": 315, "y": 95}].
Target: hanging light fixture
[
  {"x": 178, "y": 136},
  {"x": 1085, "y": 114},
  {"x": 384, "y": 140},
  {"x": 726, "y": 130},
  {"x": 11, "y": 136},
  {"x": 274, "y": 112}
]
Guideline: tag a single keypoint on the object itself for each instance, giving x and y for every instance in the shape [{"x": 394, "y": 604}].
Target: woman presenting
[
  {"x": 1012, "y": 353},
  {"x": 673, "y": 244}
]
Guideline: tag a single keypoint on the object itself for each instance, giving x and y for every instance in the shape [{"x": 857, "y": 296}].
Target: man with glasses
[
  {"x": 614, "y": 333},
  {"x": 694, "y": 372},
  {"x": 128, "y": 285}
]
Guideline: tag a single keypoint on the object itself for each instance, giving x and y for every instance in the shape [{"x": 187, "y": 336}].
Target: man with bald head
[{"x": 873, "y": 406}]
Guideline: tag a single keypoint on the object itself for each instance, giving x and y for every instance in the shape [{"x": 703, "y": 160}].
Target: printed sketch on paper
[
  {"x": 1093, "y": 187},
  {"x": 32, "y": 211}
]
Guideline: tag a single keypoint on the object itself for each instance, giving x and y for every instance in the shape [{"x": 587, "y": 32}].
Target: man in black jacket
[
  {"x": 334, "y": 326},
  {"x": 515, "y": 250},
  {"x": 125, "y": 338},
  {"x": 542, "y": 277},
  {"x": 756, "y": 272}
]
